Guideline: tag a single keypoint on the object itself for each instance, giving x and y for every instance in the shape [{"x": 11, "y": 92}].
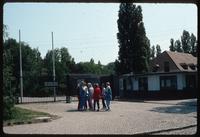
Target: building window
[
  {"x": 192, "y": 66},
  {"x": 155, "y": 68},
  {"x": 166, "y": 66},
  {"x": 162, "y": 83},
  {"x": 184, "y": 65},
  {"x": 168, "y": 82}
]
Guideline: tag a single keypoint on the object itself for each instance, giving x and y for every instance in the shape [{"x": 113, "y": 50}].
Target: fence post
[{"x": 68, "y": 98}]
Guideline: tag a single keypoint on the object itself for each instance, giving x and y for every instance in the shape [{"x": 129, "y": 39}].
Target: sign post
[
  {"x": 54, "y": 75},
  {"x": 20, "y": 61}
]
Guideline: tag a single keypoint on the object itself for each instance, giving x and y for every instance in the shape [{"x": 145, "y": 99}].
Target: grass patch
[{"x": 21, "y": 116}]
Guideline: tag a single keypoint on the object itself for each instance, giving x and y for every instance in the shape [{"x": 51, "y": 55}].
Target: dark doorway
[
  {"x": 190, "y": 81},
  {"x": 143, "y": 84}
]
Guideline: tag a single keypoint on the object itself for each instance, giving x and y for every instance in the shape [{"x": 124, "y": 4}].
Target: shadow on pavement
[
  {"x": 72, "y": 110},
  {"x": 184, "y": 107},
  {"x": 188, "y": 103},
  {"x": 75, "y": 110}
]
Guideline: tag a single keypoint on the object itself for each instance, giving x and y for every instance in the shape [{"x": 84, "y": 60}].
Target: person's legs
[
  {"x": 78, "y": 103},
  {"x": 81, "y": 104},
  {"x": 98, "y": 105},
  {"x": 85, "y": 103},
  {"x": 103, "y": 103},
  {"x": 108, "y": 104},
  {"x": 90, "y": 103},
  {"x": 94, "y": 104}
]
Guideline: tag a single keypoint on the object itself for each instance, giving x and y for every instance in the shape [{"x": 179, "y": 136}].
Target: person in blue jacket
[
  {"x": 82, "y": 94},
  {"x": 108, "y": 95}
]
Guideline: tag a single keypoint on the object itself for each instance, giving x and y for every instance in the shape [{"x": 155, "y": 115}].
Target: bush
[{"x": 8, "y": 104}]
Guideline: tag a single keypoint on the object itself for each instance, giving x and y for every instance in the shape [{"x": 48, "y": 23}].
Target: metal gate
[{"x": 41, "y": 89}]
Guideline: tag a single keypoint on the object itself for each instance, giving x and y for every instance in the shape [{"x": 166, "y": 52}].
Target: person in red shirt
[{"x": 96, "y": 95}]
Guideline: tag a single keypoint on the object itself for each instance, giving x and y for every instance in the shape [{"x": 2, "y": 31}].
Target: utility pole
[
  {"x": 21, "y": 75},
  {"x": 54, "y": 75}
]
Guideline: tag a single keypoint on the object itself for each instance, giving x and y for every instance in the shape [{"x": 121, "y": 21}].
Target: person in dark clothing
[
  {"x": 83, "y": 89},
  {"x": 96, "y": 96}
]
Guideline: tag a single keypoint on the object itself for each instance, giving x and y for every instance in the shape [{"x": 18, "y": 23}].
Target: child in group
[{"x": 108, "y": 95}]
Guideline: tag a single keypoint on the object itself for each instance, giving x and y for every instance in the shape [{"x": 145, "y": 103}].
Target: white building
[{"x": 168, "y": 73}]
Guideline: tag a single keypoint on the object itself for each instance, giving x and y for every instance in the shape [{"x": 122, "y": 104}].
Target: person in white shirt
[
  {"x": 103, "y": 95},
  {"x": 90, "y": 91}
]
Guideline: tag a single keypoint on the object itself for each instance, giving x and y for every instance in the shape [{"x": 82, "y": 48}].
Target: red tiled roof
[{"x": 181, "y": 59}]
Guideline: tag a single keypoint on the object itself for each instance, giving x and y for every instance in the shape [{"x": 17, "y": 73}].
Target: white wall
[
  {"x": 153, "y": 82},
  {"x": 121, "y": 87},
  {"x": 180, "y": 81},
  {"x": 121, "y": 84},
  {"x": 128, "y": 84}
]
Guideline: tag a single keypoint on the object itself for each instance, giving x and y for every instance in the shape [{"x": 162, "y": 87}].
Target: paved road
[{"x": 151, "y": 117}]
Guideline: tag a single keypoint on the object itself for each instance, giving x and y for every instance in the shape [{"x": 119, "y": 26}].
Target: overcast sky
[{"x": 89, "y": 30}]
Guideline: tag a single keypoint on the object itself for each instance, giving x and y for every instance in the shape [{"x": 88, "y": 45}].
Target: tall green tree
[
  {"x": 5, "y": 32},
  {"x": 153, "y": 52},
  {"x": 109, "y": 68},
  {"x": 67, "y": 62},
  {"x": 64, "y": 63},
  {"x": 188, "y": 44},
  {"x": 172, "y": 45},
  {"x": 92, "y": 61},
  {"x": 31, "y": 65},
  {"x": 133, "y": 43},
  {"x": 178, "y": 46},
  {"x": 185, "y": 41},
  {"x": 193, "y": 44},
  {"x": 142, "y": 50},
  {"x": 158, "y": 50},
  {"x": 8, "y": 90}
]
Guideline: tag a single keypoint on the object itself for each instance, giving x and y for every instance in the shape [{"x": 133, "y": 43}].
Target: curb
[{"x": 33, "y": 121}]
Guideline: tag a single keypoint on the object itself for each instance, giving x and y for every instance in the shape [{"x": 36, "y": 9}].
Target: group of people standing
[{"x": 89, "y": 96}]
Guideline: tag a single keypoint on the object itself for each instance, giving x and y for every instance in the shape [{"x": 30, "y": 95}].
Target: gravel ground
[{"x": 150, "y": 117}]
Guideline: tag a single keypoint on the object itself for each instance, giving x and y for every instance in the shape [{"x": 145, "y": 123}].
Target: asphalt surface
[{"x": 177, "y": 117}]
